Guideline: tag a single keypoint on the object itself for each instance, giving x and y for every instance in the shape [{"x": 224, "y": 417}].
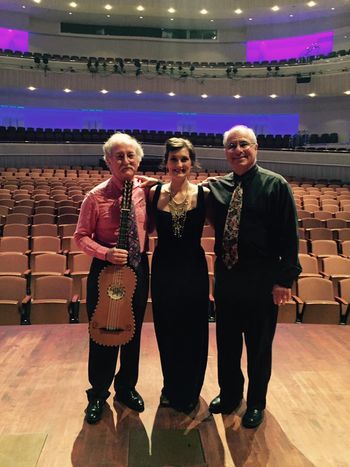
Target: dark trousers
[
  {"x": 103, "y": 359},
  {"x": 244, "y": 307}
]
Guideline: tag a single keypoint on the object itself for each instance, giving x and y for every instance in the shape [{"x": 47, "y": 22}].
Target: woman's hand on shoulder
[{"x": 147, "y": 181}]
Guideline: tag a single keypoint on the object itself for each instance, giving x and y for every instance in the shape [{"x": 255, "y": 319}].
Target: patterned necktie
[
  {"x": 133, "y": 240},
  {"x": 231, "y": 230}
]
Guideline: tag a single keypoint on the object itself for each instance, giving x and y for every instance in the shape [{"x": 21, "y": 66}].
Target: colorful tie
[
  {"x": 134, "y": 244},
  {"x": 231, "y": 230}
]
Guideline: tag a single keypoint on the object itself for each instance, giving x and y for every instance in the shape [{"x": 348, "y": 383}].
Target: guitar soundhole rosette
[{"x": 116, "y": 291}]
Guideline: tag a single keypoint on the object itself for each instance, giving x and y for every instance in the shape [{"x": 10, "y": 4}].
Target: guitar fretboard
[{"x": 124, "y": 215}]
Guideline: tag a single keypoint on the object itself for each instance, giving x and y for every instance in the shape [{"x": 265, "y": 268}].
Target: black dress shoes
[
  {"x": 131, "y": 398},
  {"x": 216, "y": 406},
  {"x": 94, "y": 411},
  {"x": 164, "y": 401},
  {"x": 252, "y": 418}
]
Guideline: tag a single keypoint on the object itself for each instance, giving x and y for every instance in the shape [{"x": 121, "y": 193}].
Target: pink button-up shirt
[{"x": 99, "y": 220}]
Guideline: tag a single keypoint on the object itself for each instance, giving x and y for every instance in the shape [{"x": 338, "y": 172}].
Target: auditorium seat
[
  {"x": 335, "y": 268},
  {"x": 309, "y": 266},
  {"x": 52, "y": 300},
  {"x": 13, "y": 299},
  {"x": 17, "y": 230},
  {"x": 39, "y": 230},
  {"x": 316, "y": 301},
  {"x": 344, "y": 298},
  {"x": 82, "y": 314},
  {"x": 48, "y": 264},
  {"x": 79, "y": 266},
  {"x": 14, "y": 244}
]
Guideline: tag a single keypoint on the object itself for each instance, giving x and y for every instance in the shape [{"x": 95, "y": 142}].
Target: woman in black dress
[{"x": 179, "y": 280}]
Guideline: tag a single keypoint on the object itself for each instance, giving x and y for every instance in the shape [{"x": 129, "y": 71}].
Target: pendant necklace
[{"x": 178, "y": 212}]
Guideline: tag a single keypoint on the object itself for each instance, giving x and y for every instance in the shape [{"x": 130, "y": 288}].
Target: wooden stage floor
[{"x": 42, "y": 400}]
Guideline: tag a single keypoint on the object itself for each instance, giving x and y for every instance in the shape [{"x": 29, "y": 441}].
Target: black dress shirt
[{"x": 268, "y": 232}]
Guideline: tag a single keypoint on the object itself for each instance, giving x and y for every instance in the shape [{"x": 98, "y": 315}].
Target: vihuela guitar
[{"x": 113, "y": 322}]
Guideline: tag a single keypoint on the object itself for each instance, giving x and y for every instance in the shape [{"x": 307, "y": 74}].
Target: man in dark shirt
[{"x": 248, "y": 292}]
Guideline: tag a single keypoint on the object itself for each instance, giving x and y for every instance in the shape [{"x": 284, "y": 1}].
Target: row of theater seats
[
  {"x": 32, "y": 242},
  {"x": 56, "y": 135},
  {"x": 118, "y": 60}
]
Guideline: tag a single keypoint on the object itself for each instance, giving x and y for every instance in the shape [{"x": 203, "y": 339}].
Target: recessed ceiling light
[
  {"x": 312, "y": 94},
  {"x": 203, "y": 11},
  {"x": 140, "y": 17},
  {"x": 311, "y": 4},
  {"x": 212, "y": 21},
  {"x": 345, "y": 37},
  {"x": 171, "y": 10},
  {"x": 332, "y": 8},
  {"x": 204, "y": 96},
  {"x": 108, "y": 7},
  {"x": 291, "y": 16},
  {"x": 67, "y": 90},
  {"x": 70, "y": 13},
  {"x": 171, "y": 94},
  {"x": 250, "y": 19},
  {"x": 273, "y": 96},
  {"x": 138, "y": 91},
  {"x": 73, "y": 4},
  {"x": 32, "y": 88},
  {"x": 237, "y": 96},
  {"x": 108, "y": 16},
  {"x": 275, "y": 8},
  {"x": 104, "y": 91},
  {"x": 347, "y": 93},
  {"x": 140, "y": 8},
  {"x": 23, "y": 6},
  {"x": 238, "y": 11},
  {"x": 171, "y": 19},
  {"x": 37, "y": 1}
]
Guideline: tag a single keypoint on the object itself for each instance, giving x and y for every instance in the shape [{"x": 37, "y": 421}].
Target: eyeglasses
[{"x": 243, "y": 144}]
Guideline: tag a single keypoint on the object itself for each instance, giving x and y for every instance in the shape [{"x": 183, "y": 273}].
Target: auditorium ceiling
[{"x": 209, "y": 14}]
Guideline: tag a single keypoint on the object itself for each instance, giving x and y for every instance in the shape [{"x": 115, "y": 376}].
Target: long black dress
[{"x": 180, "y": 290}]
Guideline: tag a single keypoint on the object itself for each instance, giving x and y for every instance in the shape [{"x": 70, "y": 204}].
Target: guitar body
[{"x": 112, "y": 322}]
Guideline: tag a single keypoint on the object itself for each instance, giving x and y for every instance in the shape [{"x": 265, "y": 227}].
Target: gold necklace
[{"x": 178, "y": 212}]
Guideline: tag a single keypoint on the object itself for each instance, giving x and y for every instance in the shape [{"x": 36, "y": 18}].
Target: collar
[{"x": 246, "y": 176}]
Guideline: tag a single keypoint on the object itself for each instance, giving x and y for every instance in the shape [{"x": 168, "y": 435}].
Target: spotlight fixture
[
  {"x": 347, "y": 93},
  {"x": 238, "y": 11},
  {"x": 138, "y": 91},
  {"x": 275, "y": 8},
  {"x": 104, "y": 91},
  {"x": 203, "y": 11},
  {"x": 312, "y": 94},
  {"x": 108, "y": 7},
  {"x": 73, "y": 4},
  {"x": 32, "y": 88},
  {"x": 237, "y": 96},
  {"x": 204, "y": 96},
  {"x": 67, "y": 90},
  {"x": 311, "y": 4},
  {"x": 171, "y": 10},
  {"x": 171, "y": 94},
  {"x": 140, "y": 8},
  {"x": 273, "y": 96}
]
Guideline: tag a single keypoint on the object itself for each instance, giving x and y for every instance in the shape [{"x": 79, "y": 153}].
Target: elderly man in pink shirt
[{"x": 97, "y": 235}]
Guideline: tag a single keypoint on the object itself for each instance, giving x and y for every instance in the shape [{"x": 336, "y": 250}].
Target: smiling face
[
  {"x": 179, "y": 163},
  {"x": 241, "y": 151},
  {"x": 123, "y": 161}
]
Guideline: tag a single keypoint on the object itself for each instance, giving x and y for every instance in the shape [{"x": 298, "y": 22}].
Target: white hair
[
  {"x": 240, "y": 129},
  {"x": 120, "y": 138}
]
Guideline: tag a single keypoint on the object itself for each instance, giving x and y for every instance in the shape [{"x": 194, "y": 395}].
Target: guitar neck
[{"x": 124, "y": 215}]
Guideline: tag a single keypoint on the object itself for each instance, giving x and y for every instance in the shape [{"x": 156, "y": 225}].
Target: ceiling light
[
  {"x": 291, "y": 16},
  {"x": 104, "y": 91},
  {"x": 212, "y": 21},
  {"x": 73, "y": 4},
  {"x": 311, "y": 4},
  {"x": 273, "y": 96},
  {"x": 171, "y": 94},
  {"x": 108, "y": 7},
  {"x": 140, "y": 8},
  {"x": 171, "y": 19},
  {"x": 108, "y": 16},
  {"x": 347, "y": 93},
  {"x": 332, "y": 8},
  {"x": 203, "y": 11},
  {"x": 37, "y": 1},
  {"x": 23, "y": 6},
  {"x": 32, "y": 88},
  {"x": 138, "y": 91},
  {"x": 204, "y": 96},
  {"x": 67, "y": 90},
  {"x": 171, "y": 10},
  {"x": 70, "y": 13},
  {"x": 275, "y": 8},
  {"x": 237, "y": 96},
  {"x": 250, "y": 19},
  {"x": 312, "y": 94},
  {"x": 140, "y": 17},
  {"x": 238, "y": 11}
]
